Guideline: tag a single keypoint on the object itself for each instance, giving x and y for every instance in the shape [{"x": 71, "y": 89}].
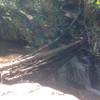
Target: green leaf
[{"x": 98, "y": 2}]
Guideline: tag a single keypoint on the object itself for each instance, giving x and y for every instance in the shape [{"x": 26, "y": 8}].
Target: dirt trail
[{"x": 11, "y": 51}]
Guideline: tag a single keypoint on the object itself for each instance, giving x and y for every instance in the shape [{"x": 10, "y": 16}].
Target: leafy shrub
[{"x": 33, "y": 21}]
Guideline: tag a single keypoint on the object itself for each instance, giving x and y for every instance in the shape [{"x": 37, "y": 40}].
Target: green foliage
[
  {"x": 98, "y": 2},
  {"x": 92, "y": 23},
  {"x": 30, "y": 20},
  {"x": 37, "y": 22}
]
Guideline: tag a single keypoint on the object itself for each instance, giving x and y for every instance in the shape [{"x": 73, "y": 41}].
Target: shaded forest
[
  {"x": 38, "y": 22},
  {"x": 62, "y": 38}
]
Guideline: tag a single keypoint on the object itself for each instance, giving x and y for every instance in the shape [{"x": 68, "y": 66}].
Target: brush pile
[{"x": 27, "y": 64}]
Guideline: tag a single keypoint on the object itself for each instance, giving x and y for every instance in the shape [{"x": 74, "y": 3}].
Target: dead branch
[{"x": 39, "y": 55}]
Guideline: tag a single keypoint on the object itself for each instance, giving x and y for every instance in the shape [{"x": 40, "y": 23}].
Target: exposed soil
[{"x": 11, "y": 51}]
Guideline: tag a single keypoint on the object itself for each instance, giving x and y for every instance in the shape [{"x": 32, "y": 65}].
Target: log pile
[{"x": 34, "y": 61}]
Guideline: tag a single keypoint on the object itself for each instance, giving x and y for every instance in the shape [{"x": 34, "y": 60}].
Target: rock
[{"x": 30, "y": 91}]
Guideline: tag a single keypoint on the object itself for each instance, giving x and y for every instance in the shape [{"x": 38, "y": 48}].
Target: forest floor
[{"x": 9, "y": 52}]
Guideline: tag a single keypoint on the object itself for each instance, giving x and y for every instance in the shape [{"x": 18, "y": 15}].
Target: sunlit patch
[
  {"x": 30, "y": 91},
  {"x": 8, "y": 58}
]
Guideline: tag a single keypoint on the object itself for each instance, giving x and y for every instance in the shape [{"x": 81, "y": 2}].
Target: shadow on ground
[{"x": 47, "y": 76}]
